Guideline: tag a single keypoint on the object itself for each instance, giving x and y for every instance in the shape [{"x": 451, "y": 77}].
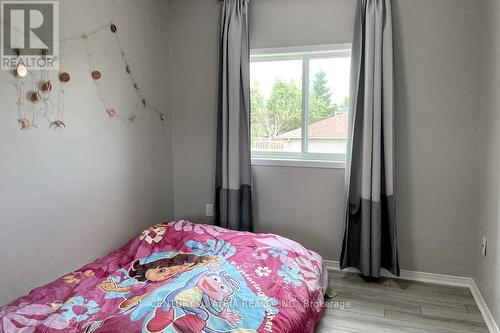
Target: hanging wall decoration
[
  {"x": 45, "y": 99},
  {"x": 41, "y": 100},
  {"x": 58, "y": 122}
]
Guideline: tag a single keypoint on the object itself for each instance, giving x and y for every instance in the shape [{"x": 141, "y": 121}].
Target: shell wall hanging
[{"x": 41, "y": 94}]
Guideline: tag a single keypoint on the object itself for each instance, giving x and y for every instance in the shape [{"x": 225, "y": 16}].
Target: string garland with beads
[{"x": 43, "y": 103}]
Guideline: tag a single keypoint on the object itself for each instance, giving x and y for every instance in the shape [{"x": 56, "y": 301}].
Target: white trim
[
  {"x": 282, "y": 162},
  {"x": 297, "y": 52},
  {"x": 305, "y": 105},
  {"x": 289, "y": 155},
  {"x": 483, "y": 307},
  {"x": 449, "y": 280}
]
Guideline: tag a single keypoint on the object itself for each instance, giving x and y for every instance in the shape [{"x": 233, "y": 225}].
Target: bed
[{"x": 182, "y": 277}]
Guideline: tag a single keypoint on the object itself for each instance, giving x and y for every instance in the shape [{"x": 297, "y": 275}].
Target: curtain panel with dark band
[{"x": 233, "y": 174}]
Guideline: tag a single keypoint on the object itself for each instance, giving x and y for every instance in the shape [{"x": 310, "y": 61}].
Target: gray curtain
[
  {"x": 370, "y": 236},
  {"x": 233, "y": 174}
]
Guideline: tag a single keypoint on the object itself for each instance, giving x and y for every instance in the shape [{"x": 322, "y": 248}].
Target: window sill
[{"x": 298, "y": 163}]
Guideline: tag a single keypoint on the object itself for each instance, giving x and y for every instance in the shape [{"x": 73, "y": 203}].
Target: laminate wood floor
[{"x": 391, "y": 305}]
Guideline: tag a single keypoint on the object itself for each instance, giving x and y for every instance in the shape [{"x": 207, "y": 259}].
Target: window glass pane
[
  {"x": 276, "y": 99},
  {"x": 328, "y": 105}
]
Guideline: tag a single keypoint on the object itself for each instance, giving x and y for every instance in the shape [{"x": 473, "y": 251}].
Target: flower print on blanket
[
  {"x": 263, "y": 271},
  {"x": 179, "y": 277},
  {"x": 77, "y": 277},
  {"x": 291, "y": 275},
  {"x": 212, "y": 247},
  {"x": 153, "y": 234},
  {"x": 277, "y": 251}
]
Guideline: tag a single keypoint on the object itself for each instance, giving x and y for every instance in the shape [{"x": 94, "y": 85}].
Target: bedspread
[{"x": 182, "y": 277}]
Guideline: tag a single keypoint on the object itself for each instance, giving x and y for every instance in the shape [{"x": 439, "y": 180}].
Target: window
[{"x": 300, "y": 98}]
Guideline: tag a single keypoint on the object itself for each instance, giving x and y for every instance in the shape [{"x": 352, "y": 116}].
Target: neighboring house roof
[{"x": 329, "y": 128}]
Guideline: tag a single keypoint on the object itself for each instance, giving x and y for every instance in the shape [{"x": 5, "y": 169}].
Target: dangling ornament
[
  {"x": 162, "y": 117},
  {"x": 25, "y": 123},
  {"x": 36, "y": 96},
  {"x": 96, "y": 75},
  {"x": 113, "y": 28},
  {"x": 136, "y": 86},
  {"x": 47, "y": 86},
  {"x": 111, "y": 112},
  {"x": 64, "y": 77},
  {"x": 127, "y": 69},
  {"x": 58, "y": 124},
  {"x": 144, "y": 103},
  {"x": 21, "y": 71}
]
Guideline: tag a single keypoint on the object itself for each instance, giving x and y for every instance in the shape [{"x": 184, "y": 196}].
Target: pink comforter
[{"x": 182, "y": 277}]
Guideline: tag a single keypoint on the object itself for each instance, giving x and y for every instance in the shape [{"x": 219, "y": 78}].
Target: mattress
[{"x": 182, "y": 277}]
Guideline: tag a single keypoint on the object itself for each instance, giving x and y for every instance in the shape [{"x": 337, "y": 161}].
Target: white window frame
[{"x": 304, "y": 53}]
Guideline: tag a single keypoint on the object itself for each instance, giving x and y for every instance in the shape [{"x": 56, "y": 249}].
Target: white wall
[
  {"x": 487, "y": 269},
  {"x": 438, "y": 74},
  {"x": 438, "y": 79},
  {"x": 193, "y": 27},
  {"x": 68, "y": 197}
]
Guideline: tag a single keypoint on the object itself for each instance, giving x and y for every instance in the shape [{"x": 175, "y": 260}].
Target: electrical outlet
[
  {"x": 209, "y": 210},
  {"x": 484, "y": 246}
]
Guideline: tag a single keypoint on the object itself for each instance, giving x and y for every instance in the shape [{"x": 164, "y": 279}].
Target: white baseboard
[
  {"x": 449, "y": 280},
  {"x": 485, "y": 311}
]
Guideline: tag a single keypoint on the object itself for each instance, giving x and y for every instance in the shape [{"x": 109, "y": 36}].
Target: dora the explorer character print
[
  {"x": 197, "y": 299},
  {"x": 153, "y": 275}
]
